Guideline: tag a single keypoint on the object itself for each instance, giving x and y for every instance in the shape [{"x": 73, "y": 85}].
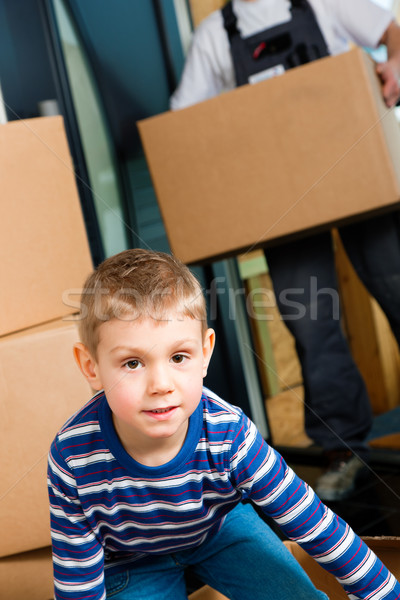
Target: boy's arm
[
  {"x": 78, "y": 557},
  {"x": 263, "y": 477},
  {"x": 389, "y": 71}
]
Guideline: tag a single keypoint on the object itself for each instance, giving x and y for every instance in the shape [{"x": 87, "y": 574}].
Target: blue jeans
[{"x": 245, "y": 560}]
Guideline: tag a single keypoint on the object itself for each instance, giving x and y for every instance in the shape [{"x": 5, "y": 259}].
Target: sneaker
[{"x": 338, "y": 481}]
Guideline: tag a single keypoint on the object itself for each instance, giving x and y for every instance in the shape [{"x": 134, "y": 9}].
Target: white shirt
[{"x": 209, "y": 69}]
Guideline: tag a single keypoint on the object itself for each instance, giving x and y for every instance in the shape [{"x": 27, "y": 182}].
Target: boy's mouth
[{"x": 161, "y": 412}]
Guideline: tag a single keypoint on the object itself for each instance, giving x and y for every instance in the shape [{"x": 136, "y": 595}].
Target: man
[{"x": 252, "y": 39}]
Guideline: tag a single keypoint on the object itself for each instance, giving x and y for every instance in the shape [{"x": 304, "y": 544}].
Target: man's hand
[{"x": 389, "y": 71}]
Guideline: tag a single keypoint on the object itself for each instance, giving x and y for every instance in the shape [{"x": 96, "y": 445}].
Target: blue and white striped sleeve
[{"x": 78, "y": 557}]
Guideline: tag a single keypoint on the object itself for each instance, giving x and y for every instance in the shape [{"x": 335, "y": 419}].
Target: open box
[
  {"x": 261, "y": 163},
  {"x": 387, "y": 548}
]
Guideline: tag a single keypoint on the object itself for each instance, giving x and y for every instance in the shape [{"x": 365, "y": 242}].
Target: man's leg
[
  {"x": 338, "y": 414},
  {"x": 373, "y": 247},
  {"x": 337, "y": 407}
]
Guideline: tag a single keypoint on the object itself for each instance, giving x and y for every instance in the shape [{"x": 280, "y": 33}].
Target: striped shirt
[{"x": 107, "y": 510}]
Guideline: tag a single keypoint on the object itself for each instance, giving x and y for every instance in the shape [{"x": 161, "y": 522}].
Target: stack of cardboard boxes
[{"x": 44, "y": 257}]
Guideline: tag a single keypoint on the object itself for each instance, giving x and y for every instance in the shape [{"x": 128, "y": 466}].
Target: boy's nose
[{"x": 160, "y": 380}]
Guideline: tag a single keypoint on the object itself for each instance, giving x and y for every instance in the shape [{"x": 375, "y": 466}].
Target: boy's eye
[
  {"x": 132, "y": 364},
  {"x": 178, "y": 359}
]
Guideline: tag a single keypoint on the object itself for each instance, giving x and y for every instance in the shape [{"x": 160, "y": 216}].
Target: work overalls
[{"x": 337, "y": 408}]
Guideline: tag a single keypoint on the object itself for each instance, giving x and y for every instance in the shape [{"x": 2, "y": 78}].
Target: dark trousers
[{"x": 337, "y": 408}]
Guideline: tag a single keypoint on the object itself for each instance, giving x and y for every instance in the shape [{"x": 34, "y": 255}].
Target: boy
[{"x": 147, "y": 479}]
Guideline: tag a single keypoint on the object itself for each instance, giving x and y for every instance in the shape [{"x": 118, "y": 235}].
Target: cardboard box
[
  {"x": 44, "y": 249},
  {"x": 40, "y": 388},
  {"x": 207, "y": 593},
  {"x": 261, "y": 163},
  {"x": 27, "y": 576},
  {"x": 388, "y": 550}
]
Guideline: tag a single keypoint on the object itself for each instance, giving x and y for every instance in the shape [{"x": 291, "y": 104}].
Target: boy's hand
[{"x": 387, "y": 73}]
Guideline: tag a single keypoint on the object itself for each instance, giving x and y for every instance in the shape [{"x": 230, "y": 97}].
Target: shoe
[{"x": 338, "y": 481}]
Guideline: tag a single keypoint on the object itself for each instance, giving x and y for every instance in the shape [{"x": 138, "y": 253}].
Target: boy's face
[{"x": 152, "y": 374}]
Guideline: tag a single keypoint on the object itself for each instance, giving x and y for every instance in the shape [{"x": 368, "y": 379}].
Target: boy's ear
[
  {"x": 87, "y": 365},
  {"x": 208, "y": 347}
]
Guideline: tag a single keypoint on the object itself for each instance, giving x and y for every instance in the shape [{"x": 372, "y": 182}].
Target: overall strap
[
  {"x": 277, "y": 48},
  {"x": 230, "y": 20}
]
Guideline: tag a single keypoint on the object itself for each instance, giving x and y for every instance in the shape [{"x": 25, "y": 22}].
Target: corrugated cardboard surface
[
  {"x": 40, "y": 388},
  {"x": 304, "y": 150},
  {"x": 27, "y": 576},
  {"x": 43, "y": 244},
  {"x": 388, "y": 550},
  {"x": 207, "y": 593}
]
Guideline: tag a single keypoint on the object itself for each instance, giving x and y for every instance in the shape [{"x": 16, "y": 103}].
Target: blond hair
[{"x": 138, "y": 283}]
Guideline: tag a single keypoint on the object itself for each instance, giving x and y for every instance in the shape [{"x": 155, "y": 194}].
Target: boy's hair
[{"x": 138, "y": 283}]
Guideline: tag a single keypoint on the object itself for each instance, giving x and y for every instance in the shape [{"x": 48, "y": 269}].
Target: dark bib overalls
[{"x": 296, "y": 42}]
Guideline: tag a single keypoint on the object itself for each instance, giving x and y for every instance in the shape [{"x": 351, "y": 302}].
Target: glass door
[{"x": 103, "y": 175}]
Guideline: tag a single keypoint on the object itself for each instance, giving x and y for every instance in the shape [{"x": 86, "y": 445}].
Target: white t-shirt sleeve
[
  {"x": 208, "y": 69},
  {"x": 199, "y": 80},
  {"x": 360, "y": 21}
]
